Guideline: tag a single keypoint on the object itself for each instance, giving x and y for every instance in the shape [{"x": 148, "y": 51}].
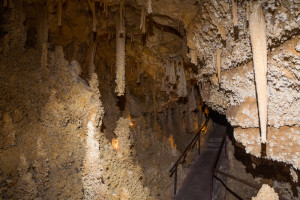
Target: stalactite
[
  {"x": 59, "y": 11},
  {"x": 93, "y": 10},
  {"x": 170, "y": 72},
  {"x": 192, "y": 101},
  {"x": 149, "y": 6},
  {"x": 11, "y": 5},
  {"x": 257, "y": 27},
  {"x": 234, "y": 12},
  {"x": 153, "y": 91},
  {"x": 43, "y": 36},
  {"x": 215, "y": 20},
  {"x": 122, "y": 23},
  {"x": 4, "y": 3},
  {"x": 143, "y": 21},
  {"x": 247, "y": 11},
  {"x": 170, "y": 121},
  {"x": 190, "y": 122},
  {"x": 44, "y": 57},
  {"x": 138, "y": 78},
  {"x": 105, "y": 9},
  {"x": 162, "y": 33},
  {"x": 218, "y": 64},
  {"x": 194, "y": 57},
  {"x": 92, "y": 59},
  {"x": 181, "y": 88},
  {"x": 163, "y": 85},
  {"x": 120, "y": 53},
  {"x": 172, "y": 76},
  {"x": 250, "y": 6}
]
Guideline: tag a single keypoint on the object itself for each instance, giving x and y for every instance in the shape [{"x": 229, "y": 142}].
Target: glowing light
[
  {"x": 172, "y": 142},
  {"x": 204, "y": 130},
  {"x": 131, "y": 122},
  {"x": 206, "y": 111},
  {"x": 115, "y": 144}
]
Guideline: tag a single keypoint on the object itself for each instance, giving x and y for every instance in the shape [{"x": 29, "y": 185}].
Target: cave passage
[{"x": 149, "y": 99}]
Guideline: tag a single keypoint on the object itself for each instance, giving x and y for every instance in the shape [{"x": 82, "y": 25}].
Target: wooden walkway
[{"x": 196, "y": 186}]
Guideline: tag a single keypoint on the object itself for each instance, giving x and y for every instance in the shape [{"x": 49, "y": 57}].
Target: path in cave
[{"x": 196, "y": 185}]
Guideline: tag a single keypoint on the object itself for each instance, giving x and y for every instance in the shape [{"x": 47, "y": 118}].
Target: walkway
[{"x": 196, "y": 185}]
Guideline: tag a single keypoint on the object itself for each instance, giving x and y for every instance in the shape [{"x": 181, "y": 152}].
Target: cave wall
[
  {"x": 235, "y": 95},
  {"x": 49, "y": 96},
  {"x": 59, "y": 124}
]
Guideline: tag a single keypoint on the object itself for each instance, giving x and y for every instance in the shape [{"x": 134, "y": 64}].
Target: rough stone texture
[
  {"x": 283, "y": 143},
  {"x": 55, "y": 118},
  {"x": 266, "y": 192},
  {"x": 51, "y": 115},
  {"x": 235, "y": 96}
]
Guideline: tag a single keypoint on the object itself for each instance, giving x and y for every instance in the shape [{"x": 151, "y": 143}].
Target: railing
[
  {"x": 214, "y": 170},
  {"x": 189, "y": 148}
]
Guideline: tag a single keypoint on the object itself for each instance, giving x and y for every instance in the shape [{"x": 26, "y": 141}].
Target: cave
[{"x": 149, "y": 99}]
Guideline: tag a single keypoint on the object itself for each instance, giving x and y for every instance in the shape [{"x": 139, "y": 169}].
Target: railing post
[
  {"x": 225, "y": 146},
  {"x": 211, "y": 185},
  {"x": 175, "y": 182},
  {"x": 199, "y": 150}
]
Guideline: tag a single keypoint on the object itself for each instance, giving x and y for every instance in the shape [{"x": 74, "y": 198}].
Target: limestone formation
[
  {"x": 149, "y": 6},
  {"x": 120, "y": 54},
  {"x": 218, "y": 64},
  {"x": 143, "y": 21},
  {"x": 266, "y": 192},
  {"x": 234, "y": 12},
  {"x": 259, "y": 48},
  {"x": 59, "y": 12},
  {"x": 181, "y": 88},
  {"x": 184, "y": 59},
  {"x": 93, "y": 10}
]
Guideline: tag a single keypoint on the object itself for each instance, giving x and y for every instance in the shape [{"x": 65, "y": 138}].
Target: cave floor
[{"x": 196, "y": 185}]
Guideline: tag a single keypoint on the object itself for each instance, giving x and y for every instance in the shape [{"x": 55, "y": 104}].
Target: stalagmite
[
  {"x": 120, "y": 53},
  {"x": 218, "y": 64},
  {"x": 266, "y": 192},
  {"x": 257, "y": 27},
  {"x": 59, "y": 11},
  {"x": 25, "y": 187},
  {"x": 234, "y": 12},
  {"x": 92, "y": 6},
  {"x": 149, "y": 6},
  {"x": 92, "y": 168}
]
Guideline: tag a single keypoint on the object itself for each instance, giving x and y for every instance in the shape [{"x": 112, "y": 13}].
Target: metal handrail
[
  {"x": 185, "y": 153},
  {"x": 213, "y": 170}
]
